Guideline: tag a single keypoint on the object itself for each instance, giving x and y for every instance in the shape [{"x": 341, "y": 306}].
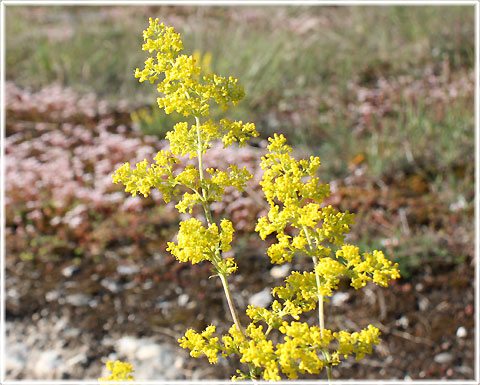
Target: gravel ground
[{"x": 71, "y": 336}]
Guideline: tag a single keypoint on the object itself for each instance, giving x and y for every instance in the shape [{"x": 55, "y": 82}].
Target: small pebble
[
  {"x": 465, "y": 370},
  {"x": 111, "y": 284},
  {"x": 16, "y": 357},
  {"x": 183, "y": 299},
  {"x": 148, "y": 351},
  {"x": 70, "y": 270},
  {"x": 53, "y": 295},
  {"x": 80, "y": 358},
  {"x": 339, "y": 298},
  {"x": 281, "y": 271},
  {"x": 443, "y": 358},
  {"x": 423, "y": 304},
  {"x": 72, "y": 332},
  {"x": 402, "y": 322},
  {"x": 12, "y": 293},
  {"x": 461, "y": 332},
  {"x": 47, "y": 364},
  {"x": 127, "y": 345},
  {"x": 77, "y": 299},
  {"x": 261, "y": 299},
  {"x": 127, "y": 269}
]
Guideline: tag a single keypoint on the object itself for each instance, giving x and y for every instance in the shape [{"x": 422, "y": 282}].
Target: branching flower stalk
[
  {"x": 297, "y": 219},
  {"x": 321, "y": 319},
  {"x": 208, "y": 217}
]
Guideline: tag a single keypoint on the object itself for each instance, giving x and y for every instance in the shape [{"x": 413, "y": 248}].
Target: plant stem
[
  {"x": 208, "y": 217},
  {"x": 320, "y": 297},
  {"x": 233, "y": 311},
  {"x": 199, "y": 152},
  {"x": 321, "y": 318}
]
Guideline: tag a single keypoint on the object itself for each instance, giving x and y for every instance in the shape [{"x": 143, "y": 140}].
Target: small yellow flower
[{"x": 120, "y": 371}]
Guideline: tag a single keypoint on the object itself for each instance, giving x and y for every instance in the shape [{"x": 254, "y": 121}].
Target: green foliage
[
  {"x": 37, "y": 53},
  {"x": 153, "y": 121}
]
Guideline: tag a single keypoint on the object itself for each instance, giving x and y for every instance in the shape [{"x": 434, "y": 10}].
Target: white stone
[
  {"x": 183, "y": 299},
  {"x": 15, "y": 357},
  {"x": 281, "y": 271},
  {"x": 12, "y": 293},
  {"x": 47, "y": 364},
  {"x": 77, "y": 299},
  {"x": 80, "y": 358},
  {"x": 127, "y": 269},
  {"x": 339, "y": 298},
  {"x": 111, "y": 284},
  {"x": 443, "y": 358},
  {"x": 423, "y": 303},
  {"x": 148, "y": 351},
  {"x": 461, "y": 332},
  {"x": 68, "y": 271},
  {"x": 127, "y": 346},
  {"x": 402, "y": 322},
  {"x": 261, "y": 299},
  {"x": 52, "y": 295}
]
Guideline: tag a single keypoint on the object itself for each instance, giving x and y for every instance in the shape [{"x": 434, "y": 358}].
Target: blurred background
[{"x": 382, "y": 94}]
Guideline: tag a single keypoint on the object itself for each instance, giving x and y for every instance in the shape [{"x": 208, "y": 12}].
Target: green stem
[
  {"x": 269, "y": 329},
  {"x": 320, "y": 297},
  {"x": 233, "y": 311},
  {"x": 199, "y": 152},
  {"x": 208, "y": 216},
  {"x": 321, "y": 318}
]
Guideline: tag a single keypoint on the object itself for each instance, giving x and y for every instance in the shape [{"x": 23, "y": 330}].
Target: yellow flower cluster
[
  {"x": 202, "y": 343},
  {"x": 297, "y": 217},
  {"x": 295, "y": 195},
  {"x": 300, "y": 289},
  {"x": 358, "y": 343},
  {"x": 205, "y": 60},
  {"x": 373, "y": 267},
  {"x": 300, "y": 351},
  {"x": 274, "y": 317},
  {"x": 303, "y": 290},
  {"x": 185, "y": 93},
  {"x": 184, "y": 139},
  {"x": 220, "y": 180},
  {"x": 177, "y": 74},
  {"x": 145, "y": 176},
  {"x": 195, "y": 243},
  {"x": 120, "y": 371}
]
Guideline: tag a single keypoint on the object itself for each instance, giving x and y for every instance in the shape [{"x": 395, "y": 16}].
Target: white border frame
[{"x": 5, "y": 3}]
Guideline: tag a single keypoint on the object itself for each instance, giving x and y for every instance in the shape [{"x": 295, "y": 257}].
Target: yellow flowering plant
[
  {"x": 120, "y": 371},
  {"x": 275, "y": 343}
]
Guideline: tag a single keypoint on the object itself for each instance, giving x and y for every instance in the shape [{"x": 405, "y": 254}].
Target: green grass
[
  {"x": 300, "y": 66},
  {"x": 91, "y": 49},
  {"x": 418, "y": 140}
]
